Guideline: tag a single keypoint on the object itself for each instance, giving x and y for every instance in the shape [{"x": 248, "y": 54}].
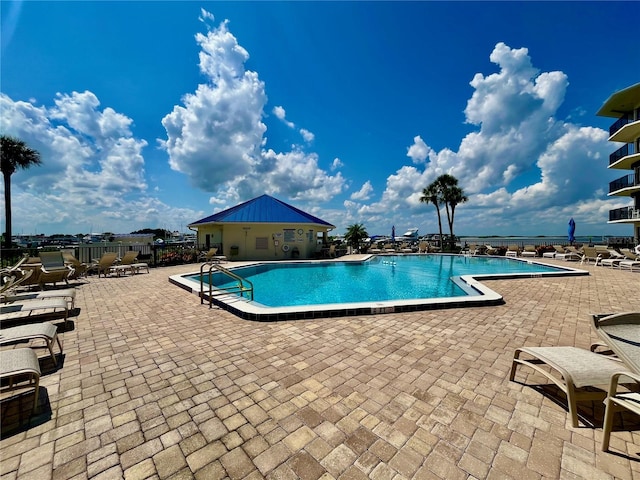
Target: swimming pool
[{"x": 312, "y": 289}]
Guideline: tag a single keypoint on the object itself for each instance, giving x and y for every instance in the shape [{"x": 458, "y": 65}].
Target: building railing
[
  {"x": 625, "y": 150},
  {"x": 622, "y": 182},
  {"x": 621, "y": 122},
  {"x": 624, "y": 213}
]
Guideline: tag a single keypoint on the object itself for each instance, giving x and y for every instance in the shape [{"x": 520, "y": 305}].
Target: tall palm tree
[
  {"x": 355, "y": 234},
  {"x": 453, "y": 195},
  {"x": 433, "y": 194},
  {"x": 14, "y": 155}
]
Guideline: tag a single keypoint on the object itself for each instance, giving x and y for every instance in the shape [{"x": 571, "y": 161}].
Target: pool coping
[{"x": 248, "y": 310}]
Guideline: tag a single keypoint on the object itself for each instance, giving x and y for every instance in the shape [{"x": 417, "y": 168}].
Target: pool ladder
[{"x": 243, "y": 286}]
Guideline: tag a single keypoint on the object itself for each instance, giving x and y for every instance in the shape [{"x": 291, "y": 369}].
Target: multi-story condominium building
[{"x": 624, "y": 106}]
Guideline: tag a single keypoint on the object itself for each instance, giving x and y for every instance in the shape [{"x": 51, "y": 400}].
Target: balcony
[
  {"x": 624, "y": 213},
  {"x": 624, "y": 130},
  {"x": 622, "y": 183}
]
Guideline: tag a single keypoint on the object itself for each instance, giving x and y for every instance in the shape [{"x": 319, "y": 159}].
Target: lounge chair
[
  {"x": 613, "y": 259},
  {"x": 632, "y": 260},
  {"x": 104, "y": 264},
  {"x": 529, "y": 251},
  {"x": 406, "y": 248},
  {"x": 17, "y": 365},
  {"x": 423, "y": 247},
  {"x": 590, "y": 254},
  {"x": 621, "y": 332},
  {"x": 37, "y": 331},
  {"x": 53, "y": 268},
  {"x": 573, "y": 370},
  {"x": 129, "y": 263},
  {"x": 212, "y": 256},
  {"x": 389, "y": 248},
  {"x": 512, "y": 251},
  {"x": 79, "y": 268},
  {"x": 24, "y": 311},
  {"x": 69, "y": 294}
]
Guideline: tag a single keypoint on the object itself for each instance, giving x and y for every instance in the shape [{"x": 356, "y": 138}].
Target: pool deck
[{"x": 155, "y": 385}]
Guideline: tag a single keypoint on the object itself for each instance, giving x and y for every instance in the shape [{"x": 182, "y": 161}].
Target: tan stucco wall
[{"x": 244, "y": 237}]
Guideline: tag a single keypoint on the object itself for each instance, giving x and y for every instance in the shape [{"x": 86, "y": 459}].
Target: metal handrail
[{"x": 241, "y": 288}]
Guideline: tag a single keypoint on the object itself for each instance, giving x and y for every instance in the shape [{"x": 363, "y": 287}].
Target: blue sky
[{"x": 156, "y": 114}]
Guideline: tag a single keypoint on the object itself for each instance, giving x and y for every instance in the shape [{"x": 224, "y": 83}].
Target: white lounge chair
[{"x": 26, "y": 310}]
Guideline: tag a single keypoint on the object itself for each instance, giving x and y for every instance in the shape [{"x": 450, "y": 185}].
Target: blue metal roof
[{"x": 262, "y": 209}]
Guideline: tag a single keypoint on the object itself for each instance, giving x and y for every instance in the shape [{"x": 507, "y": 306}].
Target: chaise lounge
[{"x": 18, "y": 365}]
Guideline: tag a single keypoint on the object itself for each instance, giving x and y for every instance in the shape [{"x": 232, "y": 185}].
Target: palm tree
[
  {"x": 444, "y": 190},
  {"x": 14, "y": 155},
  {"x": 355, "y": 234},
  {"x": 453, "y": 195},
  {"x": 433, "y": 194}
]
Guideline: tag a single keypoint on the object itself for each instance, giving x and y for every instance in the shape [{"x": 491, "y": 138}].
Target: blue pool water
[{"x": 380, "y": 279}]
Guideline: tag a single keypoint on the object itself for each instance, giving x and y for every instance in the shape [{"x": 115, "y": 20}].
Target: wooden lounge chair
[
  {"x": 18, "y": 365},
  {"x": 573, "y": 370},
  {"x": 621, "y": 332},
  {"x": 36, "y": 331}
]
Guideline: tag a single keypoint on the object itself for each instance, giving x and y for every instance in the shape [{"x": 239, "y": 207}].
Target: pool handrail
[{"x": 241, "y": 288}]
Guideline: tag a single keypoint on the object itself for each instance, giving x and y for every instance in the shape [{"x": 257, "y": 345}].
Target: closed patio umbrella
[{"x": 572, "y": 231}]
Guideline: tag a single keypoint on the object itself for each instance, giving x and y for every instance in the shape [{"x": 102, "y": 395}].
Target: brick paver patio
[{"x": 155, "y": 385}]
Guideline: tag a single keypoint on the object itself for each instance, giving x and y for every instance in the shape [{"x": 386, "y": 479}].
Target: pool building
[{"x": 263, "y": 228}]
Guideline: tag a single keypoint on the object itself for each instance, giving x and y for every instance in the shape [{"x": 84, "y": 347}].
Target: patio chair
[
  {"x": 621, "y": 332},
  {"x": 129, "y": 263},
  {"x": 37, "y": 331},
  {"x": 632, "y": 260},
  {"x": 512, "y": 251},
  {"x": 613, "y": 259},
  {"x": 79, "y": 268},
  {"x": 422, "y": 248},
  {"x": 211, "y": 256},
  {"x": 104, "y": 264},
  {"x": 31, "y": 309},
  {"x": 573, "y": 370},
  {"x": 529, "y": 251},
  {"x": 590, "y": 254},
  {"x": 69, "y": 294},
  {"x": 18, "y": 365}
]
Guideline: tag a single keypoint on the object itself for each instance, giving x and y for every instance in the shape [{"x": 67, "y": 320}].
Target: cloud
[
  {"x": 419, "y": 151},
  {"x": 336, "y": 164},
  {"x": 364, "y": 193},
  {"x": 518, "y": 139},
  {"x": 92, "y": 168},
  {"x": 218, "y": 138}
]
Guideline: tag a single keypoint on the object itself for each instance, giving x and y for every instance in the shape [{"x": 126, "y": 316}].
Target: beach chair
[
  {"x": 590, "y": 254},
  {"x": 53, "y": 269},
  {"x": 37, "y": 331},
  {"x": 631, "y": 260},
  {"x": 512, "y": 251},
  {"x": 79, "y": 268},
  {"x": 212, "y": 256},
  {"x": 621, "y": 332},
  {"x": 31, "y": 310},
  {"x": 69, "y": 294},
  {"x": 573, "y": 370},
  {"x": 104, "y": 264},
  {"x": 529, "y": 251},
  {"x": 19, "y": 365},
  {"x": 129, "y": 263}
]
